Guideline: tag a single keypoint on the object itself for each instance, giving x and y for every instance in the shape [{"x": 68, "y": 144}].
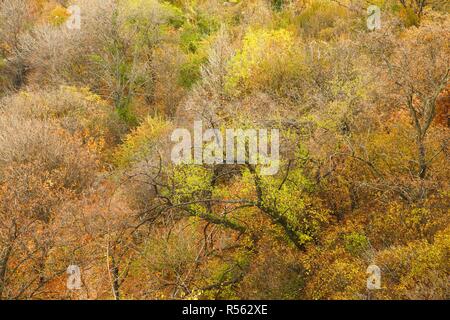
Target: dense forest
[{"x": 93, "y": 207}]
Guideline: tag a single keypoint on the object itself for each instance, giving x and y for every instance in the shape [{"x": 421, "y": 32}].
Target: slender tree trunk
[
  {"x": 3, "y": 266},
  {"x": 422, "y": 160},
  {"x": 115, "y": 280}
]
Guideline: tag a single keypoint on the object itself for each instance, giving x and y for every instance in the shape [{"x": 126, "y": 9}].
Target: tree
[{"x": 417, "y": 68}]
